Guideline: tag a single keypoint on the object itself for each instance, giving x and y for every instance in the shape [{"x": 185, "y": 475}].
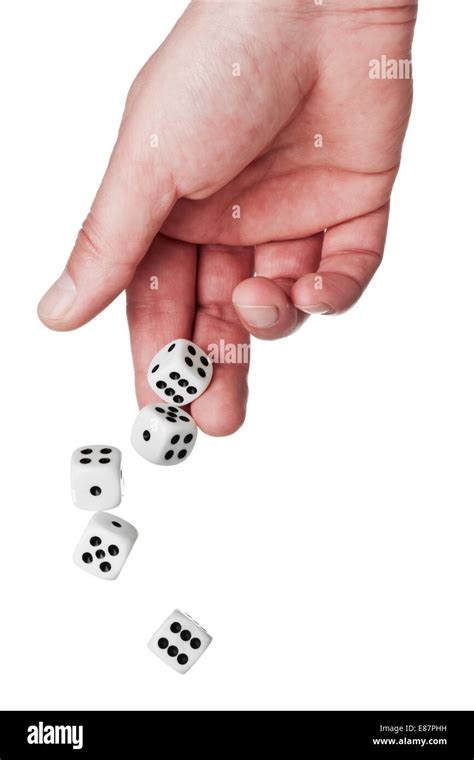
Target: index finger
[
  {"x": 160, "y": 305},
  {"x": 218, "y": 330}
]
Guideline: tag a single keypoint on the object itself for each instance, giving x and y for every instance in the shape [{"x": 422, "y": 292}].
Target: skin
[{"x": 166, "y": 211}]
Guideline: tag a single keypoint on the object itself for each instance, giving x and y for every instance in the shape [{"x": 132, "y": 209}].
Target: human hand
[{"x": 216, "y": 177}]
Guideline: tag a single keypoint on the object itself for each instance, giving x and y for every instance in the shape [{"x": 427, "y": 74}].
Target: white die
[
  {"x": 179, "y": 642},
  {"x": 164, "y": 434},
  {"x": 180, "y": 372},
  {"x": 105, "y": 545},
  {"x": 96, "y": 477}
]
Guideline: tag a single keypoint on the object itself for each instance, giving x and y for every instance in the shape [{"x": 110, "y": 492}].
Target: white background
[{"x": 328, "y": 545}]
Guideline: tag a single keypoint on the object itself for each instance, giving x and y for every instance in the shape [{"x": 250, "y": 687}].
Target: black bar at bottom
[{"x": 142, "y": 734}]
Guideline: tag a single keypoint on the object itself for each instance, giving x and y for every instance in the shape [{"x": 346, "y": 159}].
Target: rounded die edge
[{"x": 139, "y": 425}]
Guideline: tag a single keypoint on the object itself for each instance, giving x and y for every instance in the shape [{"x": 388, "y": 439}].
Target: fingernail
[
  {"x": 317, "y": 308},
  {"x": 259, "y": 316},
  {"x": 59, "y": 298}
]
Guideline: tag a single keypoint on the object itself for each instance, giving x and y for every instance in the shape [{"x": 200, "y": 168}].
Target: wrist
[{"x": 305, "y": 7}]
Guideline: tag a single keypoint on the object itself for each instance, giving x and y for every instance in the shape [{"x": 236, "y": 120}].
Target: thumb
[{"x": 127, "y": 212}]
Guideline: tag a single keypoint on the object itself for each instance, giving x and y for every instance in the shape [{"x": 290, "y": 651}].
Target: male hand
[{"x": 216, "y": 177}]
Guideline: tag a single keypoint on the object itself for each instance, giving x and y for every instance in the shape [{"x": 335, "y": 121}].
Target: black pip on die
[
  {"x": 180, "y": 641},
  {"x": 96, "y": 477},
  {"x": 105, "y": 545},
  {"x": 180, "y": 372},
  {"x": 164, "y": 434}
]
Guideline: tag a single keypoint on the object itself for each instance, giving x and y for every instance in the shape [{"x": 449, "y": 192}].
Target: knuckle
[{"x": 90, "y": 242}]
